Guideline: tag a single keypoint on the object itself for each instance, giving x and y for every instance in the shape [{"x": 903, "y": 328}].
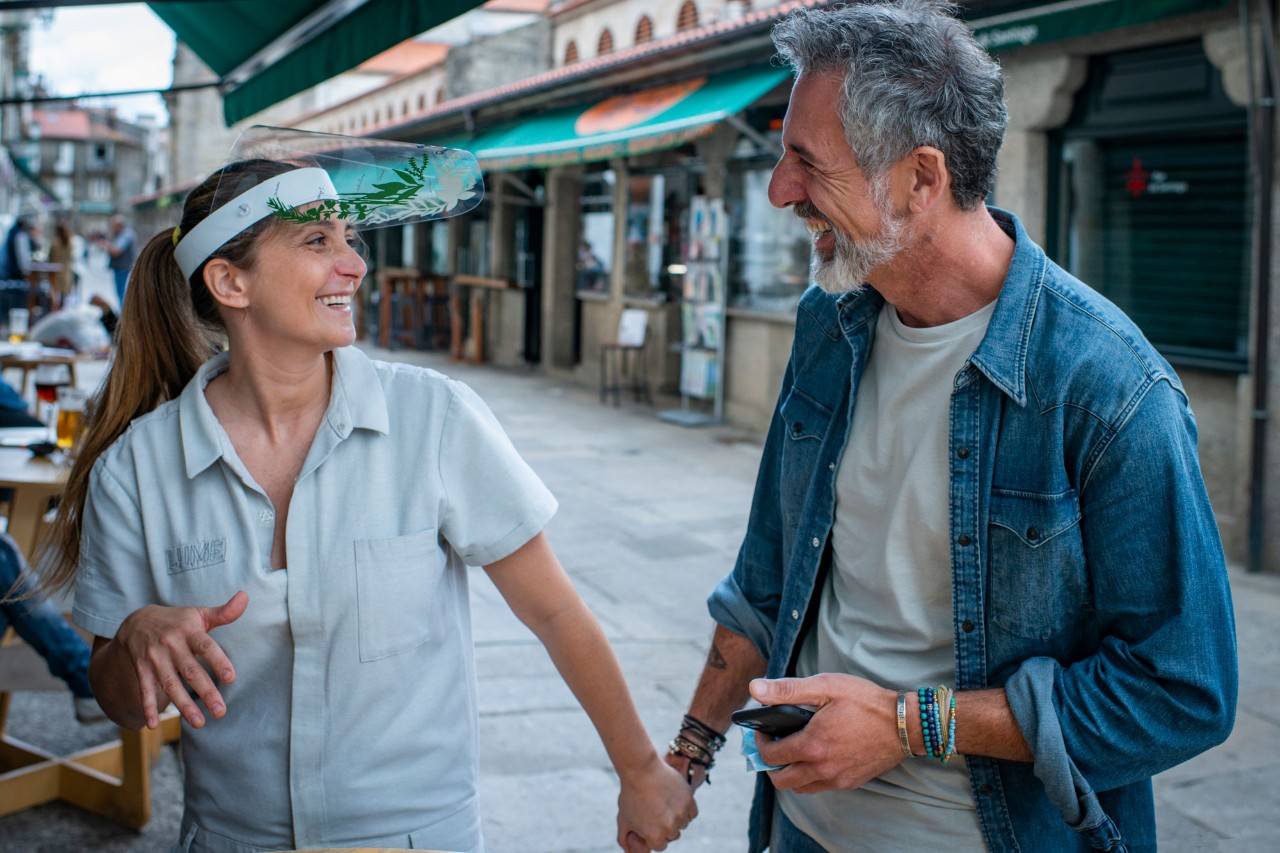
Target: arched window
[
  {"x": 440, "y": 95},
  {"x": 404, "y": 107},
  {"x": 644, "y": 29},
  {"x": 605, "y": 44},
  {"x": 422, "y": 102},
  {"x": 571, "y": 52},
  {"x": 688, "y": 18}
]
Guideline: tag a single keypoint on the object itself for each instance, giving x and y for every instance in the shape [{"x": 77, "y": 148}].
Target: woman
[
  {"x": 61, "y": 251},
  {"x": 285, "y": 535}
]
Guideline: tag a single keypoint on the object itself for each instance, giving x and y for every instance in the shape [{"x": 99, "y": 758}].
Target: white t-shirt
[{"x": 885, "y": 612}]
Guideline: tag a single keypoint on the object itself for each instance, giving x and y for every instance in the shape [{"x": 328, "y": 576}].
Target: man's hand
[{"x": 852, "y": 739}]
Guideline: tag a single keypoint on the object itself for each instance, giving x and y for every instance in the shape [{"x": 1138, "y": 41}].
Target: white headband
[{"x": 292, "y": 189}]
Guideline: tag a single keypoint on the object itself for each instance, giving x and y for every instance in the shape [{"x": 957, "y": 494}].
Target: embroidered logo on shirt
[{"x": 186, "y": 558}]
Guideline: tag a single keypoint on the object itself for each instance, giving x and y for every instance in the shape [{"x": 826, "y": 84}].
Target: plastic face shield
[{"x": 318, "y": 177}]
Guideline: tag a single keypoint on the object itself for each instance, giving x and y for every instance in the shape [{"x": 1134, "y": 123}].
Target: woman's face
[{"x": 303, "y": 280}]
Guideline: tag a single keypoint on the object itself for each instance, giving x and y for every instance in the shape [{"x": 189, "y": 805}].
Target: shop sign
[{"x": 1140, "y": 182}]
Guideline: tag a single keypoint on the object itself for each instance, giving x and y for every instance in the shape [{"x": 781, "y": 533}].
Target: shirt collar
[
  {"x": 356, "y": 402},
  {"x": 1002, "y": 355}
]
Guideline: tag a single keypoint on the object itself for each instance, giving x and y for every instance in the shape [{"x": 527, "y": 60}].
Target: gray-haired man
[{"x": 979, "y": 475}]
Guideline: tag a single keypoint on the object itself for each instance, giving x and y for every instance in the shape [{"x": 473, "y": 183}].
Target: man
[
  {"x": 979, "y": 474},
  {"x": 121, "y": 249}
]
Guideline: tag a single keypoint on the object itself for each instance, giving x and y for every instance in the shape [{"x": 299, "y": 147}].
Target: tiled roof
[
  {"x": 407, "y": 57},
  {"x": 596, "y": 65}
]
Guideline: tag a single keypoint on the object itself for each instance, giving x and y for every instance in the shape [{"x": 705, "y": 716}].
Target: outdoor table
[
  {"x": 112, "y": 780},
  {"x": 29, "y": 357},
  {"x": 34, "y": 481}
]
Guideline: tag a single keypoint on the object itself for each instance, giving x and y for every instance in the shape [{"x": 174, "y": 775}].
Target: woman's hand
[
  {"x": 166, "y": 645},
  {"x": 656, "y": 803}
]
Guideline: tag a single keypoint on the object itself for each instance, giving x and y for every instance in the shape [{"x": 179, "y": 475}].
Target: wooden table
[
  {"x": 112, "y": 780},
  {"x": 35, "y": 481},
  {"x": 35, "y": 358}
]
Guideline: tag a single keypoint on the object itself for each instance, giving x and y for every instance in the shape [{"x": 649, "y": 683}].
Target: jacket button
[
  {"x": 1033, "y": 534},
  {"x": 964, "y": 539},
  {"x": 966, "y": 626},
  {"x": 817, "y": 542},
  {"x": 831, "y": 467},
  {"x": 797, "y": 428},
  {"x": 963, "y": 453},
  {"x": 795, "y": 614}
]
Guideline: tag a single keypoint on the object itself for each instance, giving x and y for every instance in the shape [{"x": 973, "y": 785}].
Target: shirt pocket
[
  {"x": 396, "y": 589},
  {"x": 1037, "y": 569},
  {"x": 806, "y": 422}
]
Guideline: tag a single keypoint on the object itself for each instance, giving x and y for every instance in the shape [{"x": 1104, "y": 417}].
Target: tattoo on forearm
[{"x": 715, "y": 660}]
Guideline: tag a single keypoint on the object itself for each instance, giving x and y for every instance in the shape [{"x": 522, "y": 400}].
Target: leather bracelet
[
  {"x": 698, "y": 756},
  {"x": 902, "y": 724},
  {"x": 714, "y": 739}
]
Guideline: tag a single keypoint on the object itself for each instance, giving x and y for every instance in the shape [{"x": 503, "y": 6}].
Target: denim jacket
[{"x": 1088, "y": 578}]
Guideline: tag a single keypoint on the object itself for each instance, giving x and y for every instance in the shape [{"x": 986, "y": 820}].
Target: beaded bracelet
[{"x": 938, "y": 721}]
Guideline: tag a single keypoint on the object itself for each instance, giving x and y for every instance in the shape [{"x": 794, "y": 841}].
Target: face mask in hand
[{"x": 752, "y": 752}]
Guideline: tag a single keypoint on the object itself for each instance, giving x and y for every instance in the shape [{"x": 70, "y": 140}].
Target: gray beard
[{"x": 851, "y": 263}]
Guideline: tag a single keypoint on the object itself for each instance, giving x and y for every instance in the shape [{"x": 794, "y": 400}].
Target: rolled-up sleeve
[
  {"x": 746, "y": 601},
  {"x": 1161, "y": 686},
  {"x": 113, "y": 578}
]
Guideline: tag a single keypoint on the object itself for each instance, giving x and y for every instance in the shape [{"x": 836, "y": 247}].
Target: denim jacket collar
[{"x": 1002, "y": 355}]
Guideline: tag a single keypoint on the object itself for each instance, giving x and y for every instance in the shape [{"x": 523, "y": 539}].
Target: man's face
[{"x": 851, "y": 218}]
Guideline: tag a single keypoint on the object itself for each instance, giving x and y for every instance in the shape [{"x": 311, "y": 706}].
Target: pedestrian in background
[
  {"x": 121, "y": 247},
  {"x": 62, "y": 252}
]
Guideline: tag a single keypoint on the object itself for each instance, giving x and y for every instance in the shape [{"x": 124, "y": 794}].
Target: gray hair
[{"x": 913, "y": 75}]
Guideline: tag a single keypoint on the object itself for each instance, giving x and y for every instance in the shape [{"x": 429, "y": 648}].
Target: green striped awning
[
  {"x": 649, "y": 120},
  {"x": 338, "y": 38},
  {"x": 1039, "y": 22}
]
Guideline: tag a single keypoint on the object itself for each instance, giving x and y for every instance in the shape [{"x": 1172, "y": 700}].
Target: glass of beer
[
  {"x": 49, "y": 378},
  {"x": 18, "y": 320},
  {"x": 71, "y": 405}
]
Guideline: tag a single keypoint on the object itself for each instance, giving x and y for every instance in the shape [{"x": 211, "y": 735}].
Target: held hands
[
  {"x": 852, "y": 739},
  {"x": 656, "y": 803},
  {"x": 166, "y": 645}
]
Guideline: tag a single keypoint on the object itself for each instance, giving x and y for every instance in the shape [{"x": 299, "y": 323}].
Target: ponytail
[
  {"x": 159, "y": 346},
  {"x": 168, "y": 327}
]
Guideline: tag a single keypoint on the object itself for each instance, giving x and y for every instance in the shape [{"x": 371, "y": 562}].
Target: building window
[
  {"x": 595, "y": 238},
  {"x": 657, "y": 222},
  {"x": 422, "y": 102},
  {"x": 404, "y": 107},
  {"x": 768, "y": 246},
  {"x": 64, "y": 189},
  {"x": 644, "y": 29},
  {"x": 605, "y": 43},
  {"x": 473, "y": 244},
  {"x": 688, "y": 18},
  {"x": 440, "y": 96},
  {"x": 99, "y": 189},
  {"x": 66, "y": 162},
  {"x": 571, "y": 52}
]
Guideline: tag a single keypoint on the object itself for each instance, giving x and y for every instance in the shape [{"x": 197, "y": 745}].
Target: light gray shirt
[
  {"x": 352, "y": 719},
  {"x": 885, "y": 612}
]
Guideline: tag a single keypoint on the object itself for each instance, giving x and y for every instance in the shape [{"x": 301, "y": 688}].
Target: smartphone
[{"x": 774, "y": 720}]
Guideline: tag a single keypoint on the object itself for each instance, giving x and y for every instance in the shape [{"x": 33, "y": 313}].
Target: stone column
[
  {"x": 1226, "y": 49},
  {"x": 559, "y": 255},
  {"x": 1039, "y": 93}
]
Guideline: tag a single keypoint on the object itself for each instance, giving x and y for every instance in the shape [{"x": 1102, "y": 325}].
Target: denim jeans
[
  {"x": 41, "y": 625},
  {"x": 122, "y": 279}
]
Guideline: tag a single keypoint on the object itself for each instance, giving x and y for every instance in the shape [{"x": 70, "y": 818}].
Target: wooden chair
[
  {"x": 625, "y": 357},
  {"x": 402, "y": 297}
]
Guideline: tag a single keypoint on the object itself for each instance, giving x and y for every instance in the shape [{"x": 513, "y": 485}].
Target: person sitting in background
[
  {"x": 40, "y": 624},
  {"x": 13, "y": 409}
]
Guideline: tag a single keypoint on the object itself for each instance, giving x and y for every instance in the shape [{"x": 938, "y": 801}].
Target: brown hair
[{"x": 169, "y": 326}]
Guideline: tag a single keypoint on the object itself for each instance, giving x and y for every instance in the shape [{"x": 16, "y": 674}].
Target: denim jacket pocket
[
  {"x": 806, "y": 422},
  {"x": 1037, "y": 568}
]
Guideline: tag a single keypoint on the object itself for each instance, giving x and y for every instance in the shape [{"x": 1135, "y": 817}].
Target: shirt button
[
  {"x": 795, "y": 614},
  {"x": 963, "y": 453},
  {"x": 1033, "y": 534},
  {"x": 817, "y": 542},
  {"x": 266, "y": 516},
  {"x": 966, "y": 626},
  {"x": 963, "y": 539}
]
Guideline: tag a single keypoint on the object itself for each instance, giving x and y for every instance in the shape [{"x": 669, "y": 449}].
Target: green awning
[
  {"x": 1041, "y": 22},
  {"x": 650, "y": 120},
  {"x": 21, "y": 166},
  {"x": 227, "y": 34}
]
